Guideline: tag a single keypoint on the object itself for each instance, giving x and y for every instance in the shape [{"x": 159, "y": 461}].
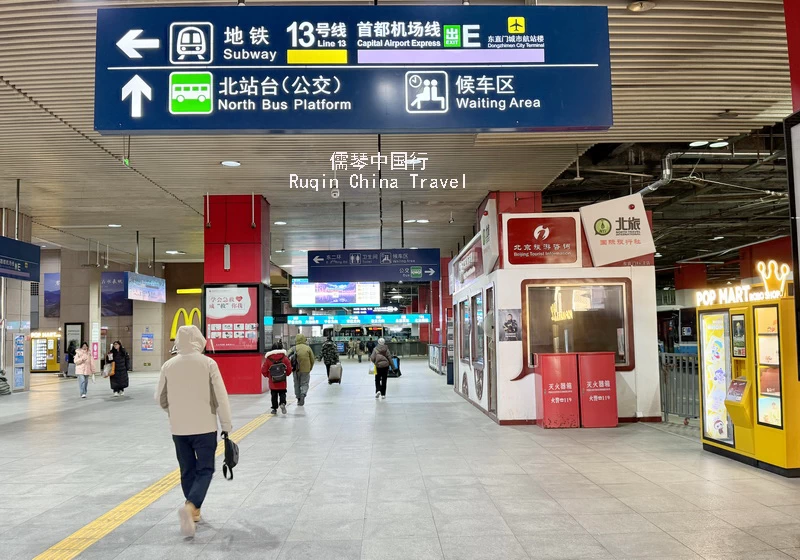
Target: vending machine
[
  {"x": 44, "y": 352},
  {"x": 748, "y": 372}
]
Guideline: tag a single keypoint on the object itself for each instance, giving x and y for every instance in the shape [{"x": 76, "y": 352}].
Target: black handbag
[{"x": 231, "y": 457}]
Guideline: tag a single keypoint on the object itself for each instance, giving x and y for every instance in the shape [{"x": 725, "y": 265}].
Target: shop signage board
[
  {"x": 552, "y": 239},
  {"x": 19, "y": 260},
  {"x": 617, "y": 230},
  {"x": 489, "y": 235},
  {"x": 352, "y": 69},
  {"x": 467, "y": 266},
  {"x": 391, "y": 319},
  {"x": 384, "y": 265}
]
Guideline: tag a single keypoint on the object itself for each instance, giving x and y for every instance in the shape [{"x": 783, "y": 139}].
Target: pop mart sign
[{"x": 352, "y": 69}]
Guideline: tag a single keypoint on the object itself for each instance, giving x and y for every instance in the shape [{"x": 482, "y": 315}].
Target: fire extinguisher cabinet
[
  {"x": 559, "y": 404},
  {"x": 598, "y": 387}
]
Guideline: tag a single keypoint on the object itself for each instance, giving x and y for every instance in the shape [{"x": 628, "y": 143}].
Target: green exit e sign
[{"x": 452, "y": 36}]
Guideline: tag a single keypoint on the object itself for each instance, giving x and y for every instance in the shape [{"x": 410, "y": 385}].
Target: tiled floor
[{"x": 420, "y": 476}]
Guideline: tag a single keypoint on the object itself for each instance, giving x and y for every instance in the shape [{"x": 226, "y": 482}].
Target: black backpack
[
  {"x": 277, "y": 371},
  {"x": 293, "y": 361},
  {"x": 231, "y": 457}
]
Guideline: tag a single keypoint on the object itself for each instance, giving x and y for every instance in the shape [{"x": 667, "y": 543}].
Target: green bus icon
[
  {"x": 191, "y": 93},
  {"x": 416, "y": 272}
]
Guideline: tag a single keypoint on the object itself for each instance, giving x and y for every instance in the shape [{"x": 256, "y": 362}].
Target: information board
[
  {"x": 334, "y": 294},
  {"x": 352, "y": 69},
  {"x": 231, "y": 319},
  {"x": 145, "y": 288},
  {"x": 385, "y": 265},
  {"x": 19, "y": 260}
]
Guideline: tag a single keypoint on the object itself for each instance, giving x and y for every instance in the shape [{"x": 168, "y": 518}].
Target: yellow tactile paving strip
[{"x": 83, "y": 538}]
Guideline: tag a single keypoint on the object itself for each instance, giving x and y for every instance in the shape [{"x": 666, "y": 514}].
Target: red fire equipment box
[
  {"x": 598, "y": 383},
  {"x": 559, "y": 390}
]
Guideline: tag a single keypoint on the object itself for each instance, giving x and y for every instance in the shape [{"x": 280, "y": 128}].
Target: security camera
[{"x": 335, "y": 193}]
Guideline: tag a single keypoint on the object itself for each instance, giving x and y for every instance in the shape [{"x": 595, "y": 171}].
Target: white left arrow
[
  {"x": 430, "y": 272},
  {"x": 129, "y": 43},
  {"x": 135, "y": 89},
  {"x": 318, "y": 259}
]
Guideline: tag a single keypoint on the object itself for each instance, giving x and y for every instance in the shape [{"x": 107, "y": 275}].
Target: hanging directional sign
[
  {"x": 384, "y": 265},
  {"x": 352, "y": 69},
  {"x": 19, "y": 260}
]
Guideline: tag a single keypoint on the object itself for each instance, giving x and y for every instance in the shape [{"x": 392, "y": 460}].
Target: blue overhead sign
[
  {"x": 391, "y": 319},
  {"x": 376, "y": 265},
  {"x": 352, "y": 69},
  {"x": 19, "y": 260}
]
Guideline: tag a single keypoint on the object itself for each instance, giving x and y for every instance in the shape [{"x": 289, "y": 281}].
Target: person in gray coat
[{"x": 382, "y": 359}]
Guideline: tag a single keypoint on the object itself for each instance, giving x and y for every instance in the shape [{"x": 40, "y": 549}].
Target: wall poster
[
  {"x": 739, "y": 343},
  {"x": 510, "y": 320},
  {"x": 716, "y": 375},
  {"x": 231, "y": 319}
]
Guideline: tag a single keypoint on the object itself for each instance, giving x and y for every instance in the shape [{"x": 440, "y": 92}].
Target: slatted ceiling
[{"x": 674, "y": 68}]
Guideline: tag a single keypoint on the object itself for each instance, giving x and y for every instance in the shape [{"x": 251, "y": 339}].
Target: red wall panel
[{"x": 792, "y": 10}]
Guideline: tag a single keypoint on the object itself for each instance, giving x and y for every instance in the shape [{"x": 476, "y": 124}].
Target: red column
[
  {"x": 242, "y": 223},
  {"x": 422, "y": 307},
  {"x": 444, "y": 298},
  {"x": 791, "y": 10},
  {"x": 691, "y": 277},
  {"x": 436, "y": 325}
]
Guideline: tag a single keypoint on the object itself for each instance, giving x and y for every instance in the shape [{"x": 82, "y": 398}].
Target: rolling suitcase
[
  {"x": 394, "y": 371},
  {"x": 336, "y": 374}
]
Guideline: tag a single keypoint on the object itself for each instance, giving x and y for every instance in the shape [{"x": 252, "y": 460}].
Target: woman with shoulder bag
[{"x": 119, "y": 371}]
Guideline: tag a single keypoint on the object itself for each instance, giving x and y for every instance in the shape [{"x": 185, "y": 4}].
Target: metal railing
[{"x": 680, "y": 392}]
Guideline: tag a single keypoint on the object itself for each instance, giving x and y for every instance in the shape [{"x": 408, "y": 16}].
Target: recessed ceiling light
[
  {"x": 666, "y": 288},
  {"x": 287, "y": 266},
  {"x": 279, "y": 223},
  {"x": 413, "y": 248},
  {"x": 230, "y": 163},
  {"x": 397, "y": 297},
  {"x": 44, "y": 246},
  {"x": 114, "y": 225},
  {"x": 641, "y": 6},
  {"x": 729, "y": 282},
  {"x": 423, "y": 221},
  {"x": 698, "y": 144},
  {"x": 280, "y": 250},
  {"x": 175, "y": 252},
  {"x": 718, "y": 144},
  {"x": 410, "y": 221},
  {"x": 717, "y": 238},
  {"x": 658, "y": 255}
]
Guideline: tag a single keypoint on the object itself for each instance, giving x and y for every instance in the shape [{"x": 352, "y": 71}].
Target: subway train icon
[{"x": 191, "y": 43}]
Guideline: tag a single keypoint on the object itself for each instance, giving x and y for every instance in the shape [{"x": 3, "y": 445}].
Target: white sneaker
[
  {"x": 378, "y": 395},
  {"x": 83, "y": 396},
  {"x": 116, "y": 394},
  {"x": 383, "y": 397},
  {"x": 186, "y": 516}
]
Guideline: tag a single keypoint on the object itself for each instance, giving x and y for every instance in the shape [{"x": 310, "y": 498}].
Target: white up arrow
[
  {"x": 129, "y": 43},
  {"x": 318, "y": 259},
  {"x": 135, "y": 89},
  {"x": 430, "y": 272}
]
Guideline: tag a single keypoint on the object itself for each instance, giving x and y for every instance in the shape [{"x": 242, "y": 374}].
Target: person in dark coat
[
  {"x": 330, "y": 354},
  {"x": 119, "y": 381}
]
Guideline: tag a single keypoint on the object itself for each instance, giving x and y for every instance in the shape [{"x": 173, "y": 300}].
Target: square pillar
[{"x": 236, "y": 235}]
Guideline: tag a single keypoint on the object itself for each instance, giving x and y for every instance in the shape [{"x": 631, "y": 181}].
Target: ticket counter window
[{"x": 579, "y": 318}]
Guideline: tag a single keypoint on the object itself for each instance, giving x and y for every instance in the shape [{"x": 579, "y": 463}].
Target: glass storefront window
[
  {"x": 768, "y": 358},
  {"x": 465, "y": 332},
  {"x": 580, "y": 317},
  {"x": 477, "y": 339}
]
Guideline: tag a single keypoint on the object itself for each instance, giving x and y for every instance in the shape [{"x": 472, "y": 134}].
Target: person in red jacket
[{"x": 277, "y": 368}]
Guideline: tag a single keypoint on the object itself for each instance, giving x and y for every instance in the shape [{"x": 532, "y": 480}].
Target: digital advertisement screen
[
  {"x": 232, "y": 319},
  {"x": 334, "y": 294},
  {"x": 146, "y": 288}
]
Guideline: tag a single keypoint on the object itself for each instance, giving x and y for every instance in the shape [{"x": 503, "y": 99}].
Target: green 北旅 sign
[{"x": 352, "y": 69}]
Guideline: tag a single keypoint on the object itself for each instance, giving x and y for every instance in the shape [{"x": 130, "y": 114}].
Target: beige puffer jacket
[{"x": 191, "y": 389}]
